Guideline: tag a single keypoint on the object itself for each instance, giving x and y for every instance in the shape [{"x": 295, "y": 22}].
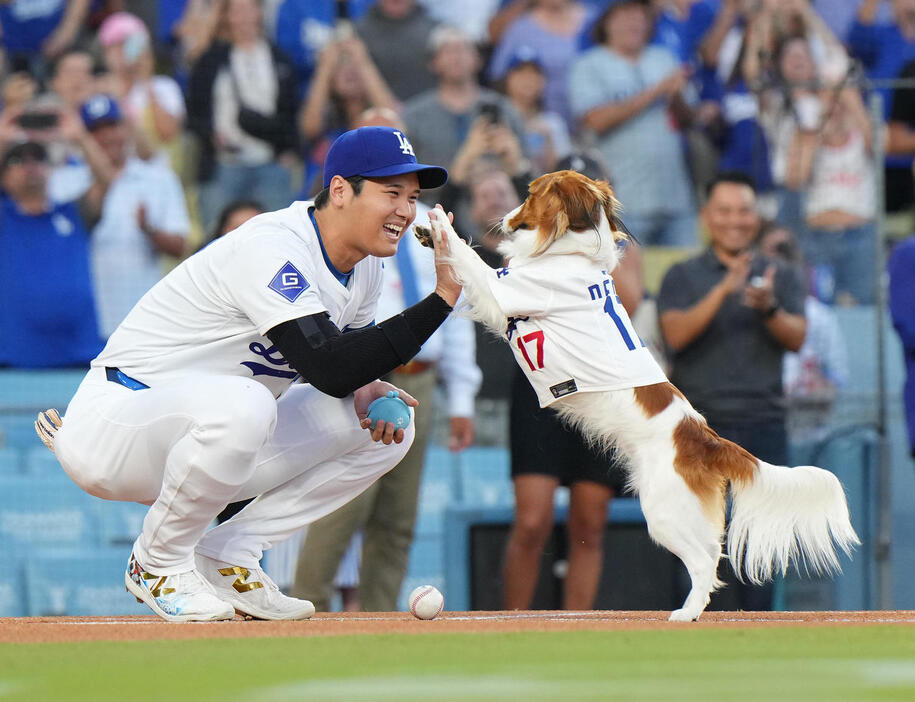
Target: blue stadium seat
[
  {"x": 23, "y": 393},
  {"x": 17, "y": 430},
  {"x": 10, "y": 461},
  {"x": 485, "y": 478},
  {"x": 39, "y": 461},
  {"x": 44, "y": 511},
  {"x": 79, "y": 582},
  {"x": 12, "y": 585},
  {"x": 425, "y": 567},
  {"x": 38, "y": 389},
  {"x": 120, "y": 522},
  {"x": 440, "y": 463},
  {"x": 438, "y": 479}
]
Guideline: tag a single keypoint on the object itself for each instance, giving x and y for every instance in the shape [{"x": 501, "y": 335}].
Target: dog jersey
[
  {"x": 568, "y": 329},
  {"x": 210, "y": 314}
]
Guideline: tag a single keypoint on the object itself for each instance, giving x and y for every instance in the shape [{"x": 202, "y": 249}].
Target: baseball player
[{"x": 194, "y": 402}]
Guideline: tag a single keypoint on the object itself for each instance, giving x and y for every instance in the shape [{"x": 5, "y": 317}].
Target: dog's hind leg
[{"x": 678, "y": 523}]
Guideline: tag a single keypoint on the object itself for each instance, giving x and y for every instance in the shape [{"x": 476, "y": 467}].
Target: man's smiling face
[{"x": 381, "y": 213}]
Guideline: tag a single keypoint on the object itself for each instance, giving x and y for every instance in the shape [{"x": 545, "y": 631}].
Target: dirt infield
[{"x": 67, "y": 629}]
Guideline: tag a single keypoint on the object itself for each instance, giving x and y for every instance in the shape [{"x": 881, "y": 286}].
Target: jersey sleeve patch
[{"x": 289, "y": 282}]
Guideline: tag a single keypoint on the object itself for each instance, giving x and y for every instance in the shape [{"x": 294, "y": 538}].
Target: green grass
[{"x": 816, "y": 664}]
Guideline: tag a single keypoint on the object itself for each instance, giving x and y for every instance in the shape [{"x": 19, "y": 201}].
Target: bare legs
[
  {"x": 532, "y": 526},
  {"x": 586, "y": 524}
]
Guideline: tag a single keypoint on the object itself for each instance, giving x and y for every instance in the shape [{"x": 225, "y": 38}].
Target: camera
[
  {"x": 491, "y": 112},
  {"x": 38, "y": 120}
]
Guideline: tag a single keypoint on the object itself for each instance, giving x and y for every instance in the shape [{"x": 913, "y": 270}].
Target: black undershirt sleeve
[{"x": 338, "y": 364}]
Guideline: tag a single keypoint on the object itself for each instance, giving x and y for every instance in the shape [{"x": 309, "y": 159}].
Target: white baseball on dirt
[{"x": 426, "y": 602}]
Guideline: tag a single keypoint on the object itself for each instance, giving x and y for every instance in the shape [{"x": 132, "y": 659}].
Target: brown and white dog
[{"x": 680, "y": 468}]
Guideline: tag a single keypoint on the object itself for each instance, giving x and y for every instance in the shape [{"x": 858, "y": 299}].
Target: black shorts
[{"x": 541, "y": 444}]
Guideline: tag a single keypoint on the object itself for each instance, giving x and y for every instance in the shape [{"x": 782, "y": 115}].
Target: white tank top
[{"x": 843, "y": 179}]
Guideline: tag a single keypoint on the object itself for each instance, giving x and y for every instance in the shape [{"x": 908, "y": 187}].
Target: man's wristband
[{"x": 773, "y": 308}]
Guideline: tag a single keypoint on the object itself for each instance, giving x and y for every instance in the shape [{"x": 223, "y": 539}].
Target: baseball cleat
[
  {"x": 183, "y": 597},
  {"x": 251, "y": 591},
  {"x": 46, "y": 427}
]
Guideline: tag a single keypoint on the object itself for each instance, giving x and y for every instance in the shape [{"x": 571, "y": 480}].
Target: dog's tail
[{"x": 785, "y": 515}]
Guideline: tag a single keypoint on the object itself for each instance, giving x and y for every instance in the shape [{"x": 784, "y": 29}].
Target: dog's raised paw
[{"x": 424, "y": 235}]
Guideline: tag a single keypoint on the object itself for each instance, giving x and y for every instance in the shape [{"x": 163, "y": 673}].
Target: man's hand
[
  {"x": 461, "y": 435},
  {"x": 10, "y": 130},
  {"x": 364, "y": 396},
  {"x": 759, "y": 294},
  {"x": 736, "y": 277},
  {"x": 674, "y": 83},
  {"x": 70, "y": 126}
]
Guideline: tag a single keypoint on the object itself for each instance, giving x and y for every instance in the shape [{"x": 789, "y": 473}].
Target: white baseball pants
[{"x": 189, "y": 448}]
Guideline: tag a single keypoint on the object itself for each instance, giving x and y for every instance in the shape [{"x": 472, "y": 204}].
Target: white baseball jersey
[
  {"x": 210, "y": 314},
  {"x": 568, "y": 328}
]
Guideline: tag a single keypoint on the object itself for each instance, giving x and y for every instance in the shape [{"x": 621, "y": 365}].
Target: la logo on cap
[
  {"x": 97, "y": 106},
  {"x": 405, "y": 146}
]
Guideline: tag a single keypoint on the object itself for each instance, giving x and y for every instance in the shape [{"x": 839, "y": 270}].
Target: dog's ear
[{"x": 612, "y": 210}]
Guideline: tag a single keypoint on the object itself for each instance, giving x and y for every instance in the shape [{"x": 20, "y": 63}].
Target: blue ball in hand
[{"x": 392, "y": 409}]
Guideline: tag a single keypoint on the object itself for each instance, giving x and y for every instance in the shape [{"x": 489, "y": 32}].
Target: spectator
[
  {"x": 152, "y": 103},
  {"x": 840, "y": 14},
  {"x": 512, "y": 10},
  {"x": 72, "y": 77},
  {"x": 241, "y": 106},
  {"x": 345, "y": 85},
  {"x": 812, "y": 376},
  {"x": 459, "y": 120},
  {"x": 472, "y": 15},
  {"x": 35, "y": 31},
  {"x": 202, "y": 23},
  {"x": 790, "y": 108},
  {"x": 546, "y": 136},
  {"x": 834, "y": 161},
  {"x": 901, "y": 144},
  {"x": 624, "y": 90},
  {"x": 305, "y": 27},
  {"x": 235, "y": 214},
  {"x": 386, "y": 512},
  {"x": 805, "y": 59},
  {"x": 492, "y": 194},
  {"x": 728, "y": 318},
  {"x": 742, "y": 143},
  {"x": 72, "y": 83},
  {"x": 884, "y": 48},
  {"x": 902, "y": 311},
  {"x": 396, "y": 33},
  {"x": 546, "y": 453},
  {"x": 47, "y": 318},
  {"x": 19, "y": 89},
  {"x": 774, "y": 22},
  {"x": 551, "y": 28},
  {"x": 143, "y": 216},
  {"x": 680, "y": 26}
]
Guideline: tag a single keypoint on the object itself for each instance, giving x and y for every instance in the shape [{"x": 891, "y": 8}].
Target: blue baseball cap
[
  {"x": 99, "y": 110},
  {"x": 374, "y": 152},
  {"x": 524, "y": 55}
]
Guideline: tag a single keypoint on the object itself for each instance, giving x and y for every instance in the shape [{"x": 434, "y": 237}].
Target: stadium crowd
[{"x": 130, "y": 131}]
